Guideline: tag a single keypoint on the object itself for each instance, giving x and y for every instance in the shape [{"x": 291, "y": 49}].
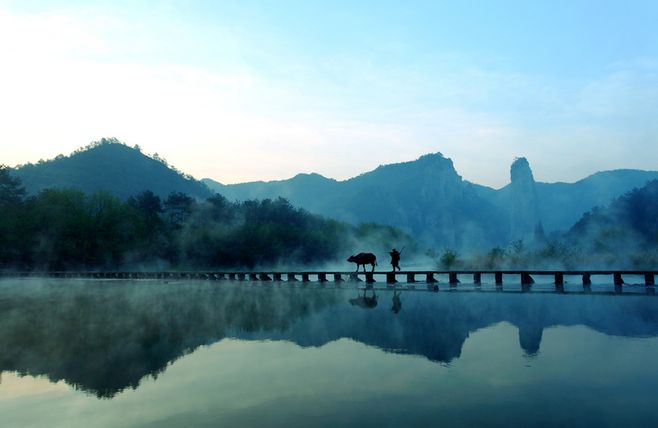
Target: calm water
[{"x": 118, "y": 353}]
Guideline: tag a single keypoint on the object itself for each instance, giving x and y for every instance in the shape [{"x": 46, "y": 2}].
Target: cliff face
[{"x": 523, "y": 207}]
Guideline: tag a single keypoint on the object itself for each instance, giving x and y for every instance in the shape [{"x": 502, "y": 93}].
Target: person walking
[{"x": 395, "y": 259}]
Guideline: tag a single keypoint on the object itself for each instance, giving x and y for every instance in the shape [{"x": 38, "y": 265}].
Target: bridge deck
[{"x": 525, "y": 277}]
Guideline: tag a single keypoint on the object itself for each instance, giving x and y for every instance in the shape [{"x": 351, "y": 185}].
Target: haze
[{"x": 240, "y": 91}]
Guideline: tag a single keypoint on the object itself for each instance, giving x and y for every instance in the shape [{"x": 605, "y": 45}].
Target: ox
[{"x": 364, "y": 259}]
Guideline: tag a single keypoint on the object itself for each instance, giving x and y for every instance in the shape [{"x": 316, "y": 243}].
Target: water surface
[{"x": 192, "y": 353}]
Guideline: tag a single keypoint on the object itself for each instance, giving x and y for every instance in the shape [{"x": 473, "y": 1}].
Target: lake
[{"x": 195, "y": 353}]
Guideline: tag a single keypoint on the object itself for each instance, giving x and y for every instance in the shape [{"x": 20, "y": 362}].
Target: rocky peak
[
  {"x": 523, "y": 203},
  {"x": 520, "y": 171}
]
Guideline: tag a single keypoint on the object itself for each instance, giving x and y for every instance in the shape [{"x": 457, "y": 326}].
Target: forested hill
[
  {"x": 109, "y": 166},
  {"x": 629, "y": 221}
]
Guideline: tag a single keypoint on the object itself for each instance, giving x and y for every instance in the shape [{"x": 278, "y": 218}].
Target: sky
[{"x": 262, "y": 90}]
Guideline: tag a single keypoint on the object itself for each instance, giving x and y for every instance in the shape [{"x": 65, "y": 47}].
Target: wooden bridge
[{"x": 453, "y": 278}]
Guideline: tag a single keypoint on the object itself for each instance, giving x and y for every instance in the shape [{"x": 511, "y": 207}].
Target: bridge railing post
[
  {"x": 498, "y": 276},
  {"x": 452, "y": 279},
  {"x": 477, "y": 278},
  {"x": 411, "y": 278},
  {"x": 390, "y": 278}
]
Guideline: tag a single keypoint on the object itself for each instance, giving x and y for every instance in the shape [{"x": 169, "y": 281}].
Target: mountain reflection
[{"x": 104, "y": 337}]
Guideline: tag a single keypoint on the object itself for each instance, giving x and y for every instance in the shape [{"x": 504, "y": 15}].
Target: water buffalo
[{"x": 364, "y": 259}]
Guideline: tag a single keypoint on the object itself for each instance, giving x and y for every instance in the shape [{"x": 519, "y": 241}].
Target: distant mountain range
[
  {"x": 426, "y": 197},
  {"x": 430, "y": 200}
]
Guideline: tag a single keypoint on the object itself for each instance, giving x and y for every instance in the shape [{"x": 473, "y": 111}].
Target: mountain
[
  {"x": 559, "y": 205},
  {"x": 109, "y": 166},
  {"x": 523, "y": 202},
  {"x": 629, "y": 221},
  {"x": 429, "y": 199},
  {"x": 425, "y": 197}
]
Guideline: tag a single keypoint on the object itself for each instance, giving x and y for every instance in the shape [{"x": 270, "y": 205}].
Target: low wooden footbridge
[{"x": 525, "y": 277}]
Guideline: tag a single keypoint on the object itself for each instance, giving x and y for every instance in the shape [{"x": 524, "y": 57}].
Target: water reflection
[
  {"x": 397, "y": 302},
  {"x": 364, "y": 301},
  {"x": 105, "y": 337}
]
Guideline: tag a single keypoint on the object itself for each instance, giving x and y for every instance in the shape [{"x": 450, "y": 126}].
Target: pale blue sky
[{"x": 248, "y": 90}]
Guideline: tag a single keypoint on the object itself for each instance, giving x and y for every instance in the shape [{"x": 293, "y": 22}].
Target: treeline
[{"x": 63, "y": 229}]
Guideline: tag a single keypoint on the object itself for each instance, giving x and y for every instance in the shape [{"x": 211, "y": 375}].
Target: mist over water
[{"x": 255, "y": 354}]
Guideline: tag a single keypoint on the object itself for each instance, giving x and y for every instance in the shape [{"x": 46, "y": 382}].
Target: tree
[
  {"x": 11, "y": 191},
  {"x": 178, "y": 207},
  {"x": 147, "y": 203},
  {"x": 449, "y": 259}
]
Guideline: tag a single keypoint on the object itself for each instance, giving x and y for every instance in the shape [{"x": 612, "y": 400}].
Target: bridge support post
[
  {"x": 430, "y": 278},
  {"x": 390, "y": 278},
  {"x": 253, "y": 277},
  {"x": 241, "y": 276},
  {"x": 477, "y": 278},
  {"x": 617, "y": 279},
  {"x": 411, "y": 278},
  {"x": 499, "y": 278},
  {"x": 338, "y": 277},
  {"x": 452, "y": 279},
  {"x": 559, "y": 278},
  {"x": 277, "y": 276},
  {"x": 526, "y": 279},
  {"x": 265, "y": 277},
  {"x": 322, "y": 277},
  {"x": 292, "y": 277},
  {"x": 370, "y": 278},
  {"x": 649, "y": 279},
  {"x": 305, "y": 277}
]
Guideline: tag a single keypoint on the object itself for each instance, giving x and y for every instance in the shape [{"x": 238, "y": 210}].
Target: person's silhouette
[
  {"x": 397, "y": 304},
  {"x": 395, "y": 259}
]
